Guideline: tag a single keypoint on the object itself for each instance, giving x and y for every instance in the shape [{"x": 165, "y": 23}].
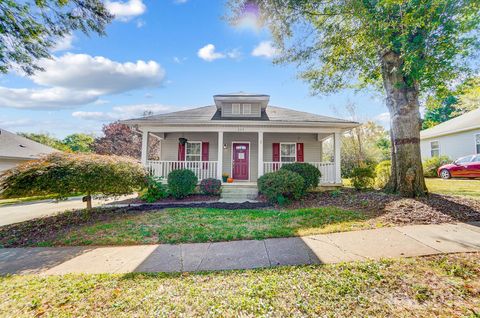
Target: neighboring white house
[
  {"x": 15, "y": 149},
  {"x": 242, "y": 136},
  {"x": 454, "y": 138}
]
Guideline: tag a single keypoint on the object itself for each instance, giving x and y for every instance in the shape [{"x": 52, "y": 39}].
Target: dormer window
[
  {"x": 236, "y": 109},
  {"x": 238, "y": 105}
]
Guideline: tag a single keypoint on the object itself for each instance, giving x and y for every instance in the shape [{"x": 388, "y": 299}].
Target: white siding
[
  {"x": 312, "y": 149},
  {"x": 453, "y": 146},
  {"x": 6, "y": 164},
  {"x": 169, "y": 146}
]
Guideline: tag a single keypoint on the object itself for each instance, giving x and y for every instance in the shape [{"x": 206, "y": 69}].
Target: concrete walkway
[
  {"x": 394, "y": 242},
  {"x": 20, "y": 212}
]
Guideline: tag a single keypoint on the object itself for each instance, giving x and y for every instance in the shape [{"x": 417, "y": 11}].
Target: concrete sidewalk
[{"x": 394, "y": 242}]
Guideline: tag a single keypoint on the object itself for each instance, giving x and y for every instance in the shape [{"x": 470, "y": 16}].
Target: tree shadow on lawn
[{"x": 391, "y": 208}]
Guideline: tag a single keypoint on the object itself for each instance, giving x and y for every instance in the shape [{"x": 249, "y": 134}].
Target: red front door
[{"x": 240, "y": 161}]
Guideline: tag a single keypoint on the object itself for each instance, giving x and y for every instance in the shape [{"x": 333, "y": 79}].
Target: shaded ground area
[
  {"x": 435, "y": 286},
  {"x": 189, "y": 198},
  {"x": 317, "y": 213},
  {"x": 393, "y": 209}
]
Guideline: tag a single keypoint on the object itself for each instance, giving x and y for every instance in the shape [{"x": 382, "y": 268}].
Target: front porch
[{"x": 245, "y": 156}]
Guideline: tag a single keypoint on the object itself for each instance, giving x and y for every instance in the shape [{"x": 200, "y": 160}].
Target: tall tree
[
  {"x": 406, "y": 46},
  {"x": 118, "y": 139},
  {"x": 79, "y": 142},
  {"x": 29, "y": 29}
]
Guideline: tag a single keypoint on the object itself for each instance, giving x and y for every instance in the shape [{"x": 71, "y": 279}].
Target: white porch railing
[
  {"x": 327, "y": 169},
  {"x": 202, "y": 169}
]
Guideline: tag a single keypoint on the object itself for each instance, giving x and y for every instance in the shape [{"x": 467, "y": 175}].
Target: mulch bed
[
  {"x": 190, "y": 198},
  {"x": 393, "y": 209}
]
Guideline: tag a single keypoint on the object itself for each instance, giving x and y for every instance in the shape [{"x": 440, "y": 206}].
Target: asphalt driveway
[{"x": 30, "y": 210}]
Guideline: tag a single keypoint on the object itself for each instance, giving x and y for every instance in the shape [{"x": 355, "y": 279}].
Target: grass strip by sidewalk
[{"x": 436, "y": 286}]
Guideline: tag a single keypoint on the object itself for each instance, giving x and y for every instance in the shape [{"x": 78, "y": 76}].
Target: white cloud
[
  {"x": 64, "y": 43},
  {"x": 98, "y": 74},
  {"x": 179, "y": 60},
  {"x": 16, "y": 123},
  {"x": 125, "y": 10},
  {"x": 140, "y": 23},
  {"x": 234, "y": 54},
  {"x": 383, "y": 119},
  {"x": 123, "y": 112},
  {"x": 265, "y": 49},
  {"x": 44, "y": 98},
  {"x": 208, "y": 53},
  {"x": 77, "y": 79}
]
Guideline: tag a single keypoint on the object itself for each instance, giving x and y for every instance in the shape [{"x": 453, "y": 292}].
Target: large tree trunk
[{"x": 402, "y": 102}]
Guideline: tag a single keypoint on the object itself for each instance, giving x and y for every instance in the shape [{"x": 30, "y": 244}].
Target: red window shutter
[
  {"x": 300, "y": 157},
  {"x": 205, "y": 151},
  {"x": 276, "y": 152},
  {"x": 181, "y": 152}
]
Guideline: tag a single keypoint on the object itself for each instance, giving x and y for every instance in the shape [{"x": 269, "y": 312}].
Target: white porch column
[
  {"x": 260, "y": 154},
  {"x": 220, "y": 155},
  {"x": 337, "y": 148},
  {"x": 144, "y": 147}
]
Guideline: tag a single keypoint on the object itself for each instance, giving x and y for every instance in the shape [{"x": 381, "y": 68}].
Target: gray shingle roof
[
  {"x": 468, "y": 121},
  {"x": 15, "y": 146},
  {"x": 210, "y": 114}
]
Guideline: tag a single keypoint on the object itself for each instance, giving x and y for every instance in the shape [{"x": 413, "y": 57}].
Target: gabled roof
[
  {"x": 15, "y": 146},
  {"x": 210, "y": 115},
  {"x": 467, "y": 121}
]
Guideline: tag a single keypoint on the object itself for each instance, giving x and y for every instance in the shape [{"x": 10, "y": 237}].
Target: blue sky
[{"x": 161, "y": 55}]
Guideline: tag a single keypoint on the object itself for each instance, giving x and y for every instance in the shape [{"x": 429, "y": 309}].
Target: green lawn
[
  {"x": 208, "y": 225},
  {"x": 462, "y": 187},
  {"x": 437, "y": 286}
]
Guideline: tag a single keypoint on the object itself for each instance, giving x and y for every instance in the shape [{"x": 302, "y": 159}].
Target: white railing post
[
  {"x": 144, "y": 148},
  {"x": 338, "y": 145},
  {"x": 260, "y": 154},
  {"x": 220, "y": 155}
]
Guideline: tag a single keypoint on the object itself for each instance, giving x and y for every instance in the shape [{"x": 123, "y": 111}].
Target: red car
[{"x": 465, "y": 167}]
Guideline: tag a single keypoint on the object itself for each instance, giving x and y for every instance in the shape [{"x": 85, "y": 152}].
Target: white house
[
  {"x": 454, "y": 138},
  {"x": 15, "y": 149},
  {"x": 240, "y": 135}
]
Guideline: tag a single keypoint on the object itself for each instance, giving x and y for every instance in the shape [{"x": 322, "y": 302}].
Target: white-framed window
[
  {"x": 477, "y": 143},
  {"x": 434, "y": 149},
  {"x": 236, "y": 109},
  {"x": 247, "y": 109},
  {"x": 193, "y": 151},
  {"x": 288, "y": 152}
]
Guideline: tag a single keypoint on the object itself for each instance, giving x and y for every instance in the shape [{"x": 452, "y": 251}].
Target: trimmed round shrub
[
  {"x": 211, "y": 186},
  {"x": 382, "y": 173},
  {"x": 181, "y": 183},
  {"x": 62, "y": 174},
  {"x": 431, "y": 165},
  {"x": 310, "y": 173},
  {"x": 363, "y": 177},
  {"x": 281, "y": 185}
]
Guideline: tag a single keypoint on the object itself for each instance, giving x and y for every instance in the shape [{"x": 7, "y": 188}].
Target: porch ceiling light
[{"x": 224, "y": 146}]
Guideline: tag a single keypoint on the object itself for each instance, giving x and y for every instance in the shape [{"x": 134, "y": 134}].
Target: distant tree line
[
  {"x": 117, "y": 139},
  {"x": 447, "y": 103}
]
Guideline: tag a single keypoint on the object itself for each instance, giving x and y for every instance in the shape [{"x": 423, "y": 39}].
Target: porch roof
[{"x": 273, "y": 115}]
